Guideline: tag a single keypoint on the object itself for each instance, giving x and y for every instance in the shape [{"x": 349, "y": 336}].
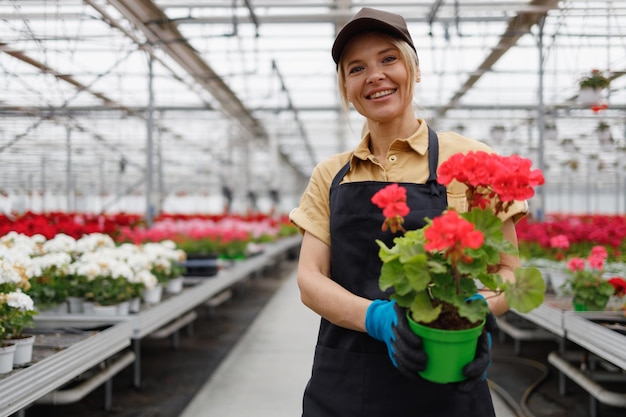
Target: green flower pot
[
  {"x": 580, "y": 307},
  {"x": 448, "y": 351}
]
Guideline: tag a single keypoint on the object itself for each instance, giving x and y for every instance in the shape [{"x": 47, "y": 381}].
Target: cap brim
[{"x": 363, "y": 25}]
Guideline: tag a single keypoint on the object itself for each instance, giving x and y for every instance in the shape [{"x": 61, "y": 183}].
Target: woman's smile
[{"x": 380, "y": 94}]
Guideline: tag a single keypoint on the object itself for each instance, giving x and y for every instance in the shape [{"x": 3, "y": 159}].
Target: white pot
[
  {"x": 557, "y": 279},
  {"x": 23, "y": 349},
  {"x": 134, "y": 305},
  {"x": 174, "y": 286},
  {"x": 152, "y": 295},
  {"x": 589, "y": 96},
  {"x": 123, "y": 308},
  {"x": 59, "y": 309},
  {"x": 75, "y": 305},
  {"x": 99, "y": 310},
  {"x": 7, "y": 353},
  {"x": 88, "y": 307}
]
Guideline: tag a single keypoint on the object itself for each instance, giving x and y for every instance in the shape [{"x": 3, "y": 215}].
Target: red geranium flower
[
  {"x": 487, "y": 174},
  {"x": 451, "y": 234},
  {"x": 620, "y": 286},
  {"x": 392, "y": 199}
]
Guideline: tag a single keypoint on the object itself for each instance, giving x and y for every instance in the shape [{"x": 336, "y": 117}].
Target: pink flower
[
  {"x": 596, "y": 262},
  {"x": 576, "y": 264},
  {"x": 559, "y": 242},
  {"x": 599, "y": 252}
]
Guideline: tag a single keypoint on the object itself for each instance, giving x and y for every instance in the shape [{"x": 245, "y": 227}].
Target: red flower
[
  {"x": 452, "y": 234},
  {"x": 392, "y": 199},
  {"x": 486, "y": 174},
  {"x": 597, "y": 108},
  {"x": 620, "y": 286}
]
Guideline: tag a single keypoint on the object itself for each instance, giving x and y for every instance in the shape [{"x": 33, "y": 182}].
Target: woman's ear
[{"x": 418, "y": 75}]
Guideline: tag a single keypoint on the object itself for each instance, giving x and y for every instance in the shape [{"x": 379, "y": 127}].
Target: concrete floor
[{"x": 266, "y": 372}]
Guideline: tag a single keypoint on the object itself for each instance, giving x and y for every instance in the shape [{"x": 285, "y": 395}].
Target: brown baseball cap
[{"x": 371, "y": 20}]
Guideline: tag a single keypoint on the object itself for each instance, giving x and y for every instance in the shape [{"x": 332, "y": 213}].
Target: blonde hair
[{"x": 409, "y": 57}]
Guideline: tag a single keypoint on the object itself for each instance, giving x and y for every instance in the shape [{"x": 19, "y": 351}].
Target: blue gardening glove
[
  {"x": 476, "y": 371},
  {"x": 386, "y": 321}
]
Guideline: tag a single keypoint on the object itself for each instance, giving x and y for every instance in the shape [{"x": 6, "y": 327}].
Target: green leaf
[
  {"x": 491, "y": 281},
  {"x": 422, "y": 309},
  {"x": 417, "y": 273},
  {"x": 392, "y": 275},
  {"x": 386, "y": 254},
  {"x": 527, "y": 292},
  {"x": 475, "y": 311}
]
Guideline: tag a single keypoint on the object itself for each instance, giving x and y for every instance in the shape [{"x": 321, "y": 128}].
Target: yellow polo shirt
[{"x": 407, "y": 161}]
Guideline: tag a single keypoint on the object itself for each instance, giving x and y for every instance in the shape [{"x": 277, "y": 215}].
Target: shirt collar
[{"x": 418, "y": 141}]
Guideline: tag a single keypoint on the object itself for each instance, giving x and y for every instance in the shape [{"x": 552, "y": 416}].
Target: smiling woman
[{"x": 367, "y": 361}]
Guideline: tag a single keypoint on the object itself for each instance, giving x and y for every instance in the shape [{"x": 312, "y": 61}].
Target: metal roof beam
[
  {"x": 518, "y": 26},
  {"x": 163, "y": 32}
]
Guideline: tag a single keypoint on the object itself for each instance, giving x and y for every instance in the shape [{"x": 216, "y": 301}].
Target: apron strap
[{"x": 433, "y": 160}]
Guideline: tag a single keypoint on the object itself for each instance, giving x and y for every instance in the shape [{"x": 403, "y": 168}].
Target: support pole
[
  {"x": 540, "y": 121},
  {"x": 149, "y": 145},
  {"x": 68, "y": 170}
]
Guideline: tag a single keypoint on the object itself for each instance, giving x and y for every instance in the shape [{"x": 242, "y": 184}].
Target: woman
[{"x": 366, "y": 360}]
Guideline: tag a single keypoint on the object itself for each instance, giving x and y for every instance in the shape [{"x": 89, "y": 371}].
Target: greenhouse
[{"x": 171, "y": 185}]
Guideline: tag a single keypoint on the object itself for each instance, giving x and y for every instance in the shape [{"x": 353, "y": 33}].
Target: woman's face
[{"x": 376, "y": 78}]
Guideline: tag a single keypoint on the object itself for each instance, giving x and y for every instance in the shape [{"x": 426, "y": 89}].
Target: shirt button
[{"x": 392, "y": 158}]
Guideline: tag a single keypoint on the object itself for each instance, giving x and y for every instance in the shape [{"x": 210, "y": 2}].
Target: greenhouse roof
[{"x": 243, "y": 93}]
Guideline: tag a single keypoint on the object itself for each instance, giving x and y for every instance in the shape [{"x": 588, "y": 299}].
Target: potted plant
[
  {"x": 432, "y": 272},
  {"x": 17, "y": 313},
  {"x": 595, "y": 81},
  {"x": 166, "y": 263},
  {"x": 48, "y": 281},
  {"x": 591, "y": 87},
  {"x": 590, "y": 291}
]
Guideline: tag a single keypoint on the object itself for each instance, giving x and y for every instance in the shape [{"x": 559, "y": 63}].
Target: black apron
[{"x": 352, "y": 374}]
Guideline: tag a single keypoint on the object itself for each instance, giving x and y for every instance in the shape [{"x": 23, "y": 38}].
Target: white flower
[
  {"x": 8, "y": 273},
  {"x": 15, "y": 257},
  {"x": 120, "y": 269},
  {"x": 59, "y": 261},
  {"x": 93, "y": 242},
  {"x": 87, "y": 269},
  {"x": 60, "y": 243},
  {"x": 17, "y": 242},
  {"x": 138, "y": 262},
  {"x": 147, "y": 278},
  {"x": 19, "y": 300}
]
